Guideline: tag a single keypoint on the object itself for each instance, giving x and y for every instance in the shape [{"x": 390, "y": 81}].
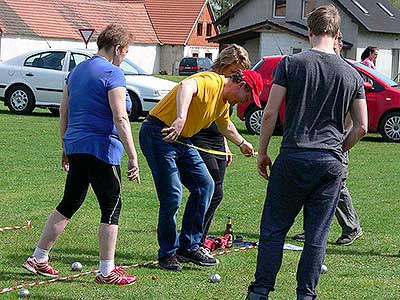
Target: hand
[
  {"x": 64, "y": 162},
  {"x": 263, "y": 161},
  {"x": 247, "y": 149},
  {"x": 228, "y": 157},
  {"x": 172, "y": 133},
  {"x": 133, "y": 170}
]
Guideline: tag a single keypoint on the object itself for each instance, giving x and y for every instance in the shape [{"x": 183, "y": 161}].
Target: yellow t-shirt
[{"x": 206, "y": 107}]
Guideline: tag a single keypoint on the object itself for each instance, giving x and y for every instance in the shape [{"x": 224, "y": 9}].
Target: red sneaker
[
  {"x": 118, "y": 276},
  {"x": 42, "y": 268}
]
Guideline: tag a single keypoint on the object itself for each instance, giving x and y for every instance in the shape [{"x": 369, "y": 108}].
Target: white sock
[
  {"x": 41, "y": 255},
  {"x": 106, "y": 266}
]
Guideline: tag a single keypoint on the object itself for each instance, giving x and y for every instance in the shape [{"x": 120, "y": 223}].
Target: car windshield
[
  {"x": 129, "y": 68},
  {"x": 377, "y": 74}
]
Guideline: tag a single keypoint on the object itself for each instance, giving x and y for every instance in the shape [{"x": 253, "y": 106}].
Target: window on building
[
  {"x": 362, "y": 8},
  {"x": 308, "y": 6},
  {"x": 385, "y": 9},
  {"x": 209, "y": 29},
  {"x": 279, "y": 8},
  {"x": 296, "y": 50},
  {"x": 208, "y": 55},
  {"x": 195, "y": 55},
  {"x": 199, "y": 29}
]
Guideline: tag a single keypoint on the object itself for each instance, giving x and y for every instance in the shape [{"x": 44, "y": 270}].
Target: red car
[{"x": 382, "y": 93}]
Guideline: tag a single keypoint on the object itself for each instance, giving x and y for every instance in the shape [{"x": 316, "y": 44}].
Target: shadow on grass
[
  {"x": 41, "y": 114},
  {"x": 20, "y": 276},
  {"x": 342, "y": 251},
  {"x": 374, "y": 139},
  {"x": 84, "y": 256},
  {"x": 54, "y": 297}
]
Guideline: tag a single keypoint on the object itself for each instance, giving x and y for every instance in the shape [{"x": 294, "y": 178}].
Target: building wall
[
  {"x": 277, "y": 43},
  {"x": 253, "y": 12},
  {"x": 253, "y": 48},
  {"x": 170, "y": 56},
  {"x": 201, "y": 51},
  {"x": 387, "y": 43},
  {"x": 200, "y": 40},
  {"x": 145, "y": 56}
]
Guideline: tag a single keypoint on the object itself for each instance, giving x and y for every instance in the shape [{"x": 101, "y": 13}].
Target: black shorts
[{"x": 105, "y": 179}]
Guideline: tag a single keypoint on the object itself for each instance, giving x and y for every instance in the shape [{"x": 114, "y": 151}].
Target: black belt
[{"x": 155, "y": 121}]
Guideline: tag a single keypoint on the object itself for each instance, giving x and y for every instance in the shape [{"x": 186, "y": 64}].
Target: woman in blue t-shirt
[{"x": 95, "y": 129}]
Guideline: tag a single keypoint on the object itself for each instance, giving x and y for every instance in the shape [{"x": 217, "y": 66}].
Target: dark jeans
[
  {"x": 299, "y": 178},
  {"x": 172, "y": 165},
  {"x": 216, "y": 167}
]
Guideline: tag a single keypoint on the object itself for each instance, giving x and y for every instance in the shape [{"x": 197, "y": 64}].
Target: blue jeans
[
  {"x": 299, "y": 178},
  {"x": 172, "y": 165}
]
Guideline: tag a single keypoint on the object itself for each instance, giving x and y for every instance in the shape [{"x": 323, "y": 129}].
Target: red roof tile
[
  {"x": 174, "y": 20},
  {"x": 63, "y": 18}
]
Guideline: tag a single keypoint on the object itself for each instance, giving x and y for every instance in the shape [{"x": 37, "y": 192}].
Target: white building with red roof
[
  {"x": 164, "y": 31},
  {"x": 182, "y": 27}
]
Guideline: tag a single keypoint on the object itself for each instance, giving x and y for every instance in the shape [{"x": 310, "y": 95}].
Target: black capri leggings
[{"x": 105, "y": 179}]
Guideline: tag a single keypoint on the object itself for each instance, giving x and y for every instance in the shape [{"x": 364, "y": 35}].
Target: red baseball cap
[{"x": 254, "y": 80}]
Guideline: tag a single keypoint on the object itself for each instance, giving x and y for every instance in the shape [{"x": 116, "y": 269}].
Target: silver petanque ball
[
  {"x": 23, "y": 293},
  {"x": 214, "y": 278},
  {"x": 324, "y": 269},
  {"x": 76, "y": 266}
]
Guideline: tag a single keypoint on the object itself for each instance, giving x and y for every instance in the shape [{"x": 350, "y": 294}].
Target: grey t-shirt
[{"x": 320, "y": 89}]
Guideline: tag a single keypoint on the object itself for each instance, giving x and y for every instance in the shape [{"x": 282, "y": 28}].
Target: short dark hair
[
  {"x": 324, "y": 20},
  {"x": 238, "y": 78},
  {"x": 114, "y": 35}
]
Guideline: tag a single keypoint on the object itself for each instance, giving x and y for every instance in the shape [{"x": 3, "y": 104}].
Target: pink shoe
[
  {"x": 118, "y": 276},
  {"x": 42, "y": 268}
]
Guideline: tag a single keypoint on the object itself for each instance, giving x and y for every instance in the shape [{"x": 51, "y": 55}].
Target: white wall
[
  {"x": 271, "y": 43},
  {"x": 201, "y": 50},
  {"x": 145, "y": 56}
]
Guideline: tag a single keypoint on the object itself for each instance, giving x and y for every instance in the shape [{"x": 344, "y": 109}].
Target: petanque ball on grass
[
  {"x": 23, "y": 293},
  {"x": 76, "y": 266},
  {"x": 324, "y": 269},
  {"x": 215, "y": 278},
  {"x": 154, "y": 277}
]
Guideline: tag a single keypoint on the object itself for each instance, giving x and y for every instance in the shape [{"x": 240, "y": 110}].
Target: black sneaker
[
  {"x": 196, "y": 257},
  {"x": 301, "y": 237},
  {"x": 254, "y": 296},
  {"x": 170, "y": 263},
  {"x": 348, "y": 239}
]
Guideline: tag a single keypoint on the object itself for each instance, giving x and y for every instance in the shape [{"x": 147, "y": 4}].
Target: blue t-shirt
[{"x": 90, "y": 128}]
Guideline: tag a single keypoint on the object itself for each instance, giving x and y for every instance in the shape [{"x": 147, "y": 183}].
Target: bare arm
[
  {"x": 187, "y": 89},
  {"x": 359, "y": 115},
  {"x": 268, "y": 123},
  {"x": 63, "y": 126},
  {"x": 117, "y": 100},
  {"x": 231, "y": 133}
]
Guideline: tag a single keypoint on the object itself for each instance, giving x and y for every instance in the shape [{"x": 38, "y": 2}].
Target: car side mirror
[{"x": 368, "y": 86}]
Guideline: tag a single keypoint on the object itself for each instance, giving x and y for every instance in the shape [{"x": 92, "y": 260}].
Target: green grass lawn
[{"x": 32, "y": 182}]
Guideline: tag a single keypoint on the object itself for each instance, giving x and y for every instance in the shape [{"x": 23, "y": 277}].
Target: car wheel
[
  {"x": 136, "y": 107},
  {"x": 253, "y": 120},
  {"x": 20, "y": 100},
  {"x": 390, "y": 127},
  {"x": 55, "y": 111}
]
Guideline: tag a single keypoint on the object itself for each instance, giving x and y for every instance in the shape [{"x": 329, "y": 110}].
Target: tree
[{"x": 221, "y": 6}]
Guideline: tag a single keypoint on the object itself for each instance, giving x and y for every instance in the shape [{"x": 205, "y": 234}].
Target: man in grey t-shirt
[{"x": 320, "y": 88}]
